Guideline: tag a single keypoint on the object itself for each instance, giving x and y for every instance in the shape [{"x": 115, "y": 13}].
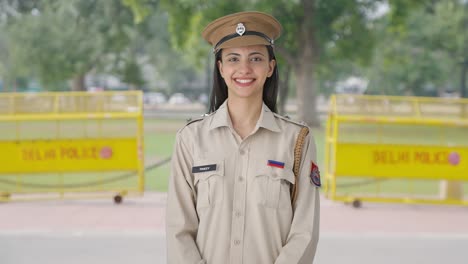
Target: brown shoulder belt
[{"x": 297, "y": 161}]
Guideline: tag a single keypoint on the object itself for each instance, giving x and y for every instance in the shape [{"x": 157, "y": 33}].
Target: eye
[
  {"x": 256, "y": 59},
  {"x": 232, "y": 59}
]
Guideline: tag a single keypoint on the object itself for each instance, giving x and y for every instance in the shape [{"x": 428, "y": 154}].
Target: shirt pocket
[
  {"x": 209, "y": 184},
  {"x": 273, "y": 186}
]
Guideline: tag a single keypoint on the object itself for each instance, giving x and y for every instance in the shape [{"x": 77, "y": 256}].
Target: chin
[{"x": 247, "y": 95}]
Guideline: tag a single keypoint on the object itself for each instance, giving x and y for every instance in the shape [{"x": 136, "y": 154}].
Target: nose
[{"x": 244, "y": 67}]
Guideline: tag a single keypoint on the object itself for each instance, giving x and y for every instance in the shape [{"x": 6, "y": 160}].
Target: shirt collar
[
  {"x": 266, "y": 120},
  {"x": 221, "y": 117}
]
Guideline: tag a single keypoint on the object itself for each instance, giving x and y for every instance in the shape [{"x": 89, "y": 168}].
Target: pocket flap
[{"x": 276, "y": 173}]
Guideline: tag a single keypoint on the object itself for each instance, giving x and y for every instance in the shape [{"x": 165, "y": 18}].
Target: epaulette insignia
[
  {"x": 193, "y": 120},
  {"x": 286, "y": 118}
]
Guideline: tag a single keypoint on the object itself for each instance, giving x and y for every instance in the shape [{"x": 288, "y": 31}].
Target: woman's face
[{"x": 245, "y": 70}]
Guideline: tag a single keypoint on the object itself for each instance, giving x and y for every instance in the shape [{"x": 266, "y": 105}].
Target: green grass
[
  {"x": 158, "y": 145},
  {"x": 408, "y": 189},
  {"x": 72, "y": 182},
  {"x": 389, "y": 187},
  {"x": 158, "y": 179}
]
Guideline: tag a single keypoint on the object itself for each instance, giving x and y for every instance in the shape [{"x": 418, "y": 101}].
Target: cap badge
[{"x": 240, "y": 29}]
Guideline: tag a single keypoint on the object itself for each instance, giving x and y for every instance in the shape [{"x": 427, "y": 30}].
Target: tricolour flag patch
[
  {"x": 277, "y": 164},
  {"x": 315, "y": 175}
]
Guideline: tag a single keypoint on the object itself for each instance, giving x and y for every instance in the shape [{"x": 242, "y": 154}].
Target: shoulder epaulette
[
  {"x": 196, "y": 119},
  {"x": 193, "y": 120},
  {"x": 286, "y": 118}
]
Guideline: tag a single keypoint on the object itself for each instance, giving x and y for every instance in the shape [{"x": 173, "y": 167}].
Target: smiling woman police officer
[{"x": 229, "y": 198}]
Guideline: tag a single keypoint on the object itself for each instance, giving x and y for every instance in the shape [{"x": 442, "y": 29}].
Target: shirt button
[
  {"x": 238, "y": 214},
  {"x": 236, "y": 242},
  {"x": 242, "y": 152},
  {"x": 240, "y": 178}
]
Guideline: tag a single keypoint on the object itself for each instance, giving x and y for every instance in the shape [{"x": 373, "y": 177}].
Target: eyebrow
[{"x": 250, "y": 54}]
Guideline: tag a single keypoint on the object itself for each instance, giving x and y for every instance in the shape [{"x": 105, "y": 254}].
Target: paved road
[
  {"x": 99, "y": 232},
  {"x": 149, "y": 248}
]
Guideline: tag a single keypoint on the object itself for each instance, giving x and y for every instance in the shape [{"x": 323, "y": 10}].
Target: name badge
[{"x": 204, "y": 168}]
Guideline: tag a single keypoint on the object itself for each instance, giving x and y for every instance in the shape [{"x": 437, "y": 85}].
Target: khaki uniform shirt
[{"x": 226, "y": 204}]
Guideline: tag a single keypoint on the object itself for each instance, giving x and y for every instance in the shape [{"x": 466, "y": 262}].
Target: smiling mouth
[{"x": 244, "y": 81}]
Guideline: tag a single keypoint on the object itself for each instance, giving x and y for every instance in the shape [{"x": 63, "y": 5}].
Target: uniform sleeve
[
  {"x": 303, "y": 236},
  {"x": 181, "y": 215}
]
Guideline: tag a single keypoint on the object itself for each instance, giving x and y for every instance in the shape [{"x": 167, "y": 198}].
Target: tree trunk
[
  {"x": 14, "y": 85},
  {"x": 304, "y": 70},
  {"x": 284, "y": 89},
  {"x": 464, "y": 68},
  {"x": 463, "y": 92},
  {"x": 78, "y": 83}
]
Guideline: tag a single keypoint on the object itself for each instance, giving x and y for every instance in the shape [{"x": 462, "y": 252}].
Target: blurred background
[
  {"x": 409, "y": 48},
  {"x": 385, "y": 47}
]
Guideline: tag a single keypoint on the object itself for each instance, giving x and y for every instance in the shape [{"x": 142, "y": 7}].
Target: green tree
[
  {"x": 61, "y": 40},
  {"x": 6, "y": 72},
  {"x": 174, "y": 68},
  {"x": 422, "y": 55}
]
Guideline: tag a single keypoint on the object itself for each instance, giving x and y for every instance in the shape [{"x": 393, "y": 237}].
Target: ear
[
  {"x": 220, "y": 68},
  {"x": 271, "y": 66}
]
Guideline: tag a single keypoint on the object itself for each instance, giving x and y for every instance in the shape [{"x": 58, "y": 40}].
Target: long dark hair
[{"x": 219, "y": 93}]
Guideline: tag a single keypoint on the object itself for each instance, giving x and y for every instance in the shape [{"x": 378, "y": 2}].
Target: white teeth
[{"x": 244, "y": 80}]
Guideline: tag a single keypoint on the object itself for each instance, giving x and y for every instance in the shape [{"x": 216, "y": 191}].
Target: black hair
[{"x": 219, "y": 92}]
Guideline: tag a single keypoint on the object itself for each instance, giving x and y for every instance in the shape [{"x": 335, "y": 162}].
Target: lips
[{"x": 244, "y": 82}]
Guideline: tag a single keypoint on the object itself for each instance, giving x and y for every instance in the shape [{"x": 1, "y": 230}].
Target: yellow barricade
[
  {"x": 71, "y": 145},
  {"x": 397, "y": 149}
]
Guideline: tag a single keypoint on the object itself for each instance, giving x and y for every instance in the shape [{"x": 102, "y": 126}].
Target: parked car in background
[
  {"x": 154, "y": 98},
  {"x": 178, "y": 98},
  {"x": 203, "y": 98}
]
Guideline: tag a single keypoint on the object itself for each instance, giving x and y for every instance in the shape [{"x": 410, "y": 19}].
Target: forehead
[{"x": 246, "y": 50}]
